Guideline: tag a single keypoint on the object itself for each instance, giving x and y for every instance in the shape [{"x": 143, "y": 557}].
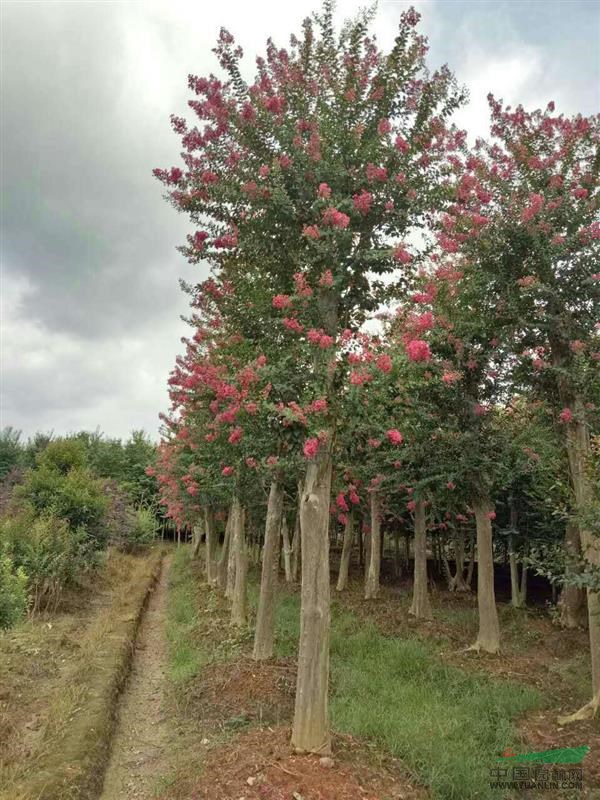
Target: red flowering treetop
[
  {"x": 526, "y": 212},
  {"x": 319, "y": 167}
]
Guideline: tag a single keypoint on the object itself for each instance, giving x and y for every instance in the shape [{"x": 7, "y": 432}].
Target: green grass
[
  {"x": 447, "y": 726},
  {"x": 186, "y": 652}
]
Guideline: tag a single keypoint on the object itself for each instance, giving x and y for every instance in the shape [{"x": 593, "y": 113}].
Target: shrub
[
  {"x": 144, "y": 530},
  {"x": 76, "y": 497},
  {"x": 13, "y": 593},
  {"x": 49, "y": 552}
]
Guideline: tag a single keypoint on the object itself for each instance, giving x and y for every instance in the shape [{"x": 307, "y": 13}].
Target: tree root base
[{"x": 588, "y": 711}]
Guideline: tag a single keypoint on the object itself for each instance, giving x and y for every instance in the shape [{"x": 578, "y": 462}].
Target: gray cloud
[{"x": 90, "y": 296}]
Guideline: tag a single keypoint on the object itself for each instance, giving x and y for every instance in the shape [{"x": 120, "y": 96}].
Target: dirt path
[{"x": 140, "y": 743}]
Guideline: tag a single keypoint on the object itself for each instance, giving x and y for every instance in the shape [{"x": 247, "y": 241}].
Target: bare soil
[{"x": 259, "y": 765}]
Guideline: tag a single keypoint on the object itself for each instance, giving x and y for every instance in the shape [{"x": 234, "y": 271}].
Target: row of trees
[
  {"x": 63, "y": 501},
  {"x": 399, "y": 330}
]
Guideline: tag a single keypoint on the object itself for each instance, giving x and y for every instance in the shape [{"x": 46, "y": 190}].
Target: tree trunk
[
  {"x": 224, "y": 558},
  {"x": 231, "y": 556},
  {"x": 516, "y": 595},
  {"x": 238, "y": 600},
  {"x": 342, "y": 580},
  {"x": 579, "y": 453},
  {"x": 469, "y": 578},
  {"x": 296, "y": 539},
  {"x": 572, "y": 598},
  {"x": 421, "y": 605},
  {"x": 372, "y": 582},
  {"x": 397, "y": 559},
  {"x": 310, "y": 732},
  {"x": 197, "y": 540},
  {"x": 210, "y": 545},
  {"x": 488, "y": 638},
  {"x": 286, "y": 550},
  {"x": 265, "y": 617}
]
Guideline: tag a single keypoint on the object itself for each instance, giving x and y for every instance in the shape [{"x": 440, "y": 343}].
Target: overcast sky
[{"x": 90, "y": 297}]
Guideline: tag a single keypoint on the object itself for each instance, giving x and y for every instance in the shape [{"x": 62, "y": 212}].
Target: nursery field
[
  {"x": 139, "y": 688},
  {"x": 358, "y": 555}
]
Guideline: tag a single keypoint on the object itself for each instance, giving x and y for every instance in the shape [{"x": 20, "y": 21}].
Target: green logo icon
[{"x": 561, "y": 755}]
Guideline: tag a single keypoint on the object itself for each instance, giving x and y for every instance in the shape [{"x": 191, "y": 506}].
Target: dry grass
[{"x": 60, "y": 677}]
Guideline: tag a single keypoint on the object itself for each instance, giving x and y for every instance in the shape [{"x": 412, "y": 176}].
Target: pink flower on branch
[
  {"x": 394, "y": 436},
  {"x": 311, "y": 447},
  {"x": 418, "y": 350}
]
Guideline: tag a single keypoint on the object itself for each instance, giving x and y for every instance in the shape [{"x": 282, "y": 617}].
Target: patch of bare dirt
[
  {"x": 260, "y": 765},
  {"x": 246, "y": 691}
]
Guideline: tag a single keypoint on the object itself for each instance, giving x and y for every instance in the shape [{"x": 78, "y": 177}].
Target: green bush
[
  {"x": 77, "y": 497},
  {"x": 144, "y": 530},
  {"x": 49, "y": 552},
  {"x": 13, "y": 593}
]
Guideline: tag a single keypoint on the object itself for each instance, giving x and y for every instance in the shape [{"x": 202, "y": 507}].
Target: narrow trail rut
[{"x": 140, "y": 743}]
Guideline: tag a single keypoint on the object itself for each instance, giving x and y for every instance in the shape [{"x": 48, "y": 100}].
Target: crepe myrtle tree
[
  {"x": 322, "y": 165},
  {"x": 527, "y": 211}
]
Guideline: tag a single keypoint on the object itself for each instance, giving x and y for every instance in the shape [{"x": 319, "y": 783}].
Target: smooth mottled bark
[
  {"x": 374, "y": 568},
  {"x": 572, "y": 603},
  {"x": 310, "y": 732},
  {"x": 224, "y": 557},
  {"x": 488, "y": 638},
  {"x": 264, "y": 633},
  {"x": 210, "y": 550},
  {"x": 342, "y": 580},
  {"x": 518, "y": 585},
  {"x": 238, "y": 600},
  {"x": 579, "y": 453},
  {"x": 196, "y": 540},
  {"x": 286, "y": 550},
  {"x": 421, "y": 605},
  {"x": 296, "y": 543}
]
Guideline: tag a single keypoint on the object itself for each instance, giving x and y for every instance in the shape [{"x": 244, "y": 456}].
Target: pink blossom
[
  {"x": 324, "y": 190},
  {"x": 285, "y": 161},
  {"x": 384, "y": 363},
  {"x": 342, "y": 519},
  {"x": 251, "y": 408},
  {"x": 264, "y": 171},
  {"x": 311, "y": 232},
  {"x": 341, "y": 503},
  {"x": 261, "y": 361},
  {"x": 450, "y": 377},
  {"x": 362, "y": 202},
  {"x": 480, "y": 410},
  {"x": 577, "y": 346},
  {"x": 565, "y": 416},
  {"x": 411, "y": 505},
  {"x": 491, "y": 515},
  {"x": 252, "y": 463},
  {"x": 326, "y": 279},
  {"x": 418, "y": 350},
  {"x": 401, "y": 255},
  {"x": 353, "y": 497},
  {"x": 374, "y": 443},
  {"x": 310, "y": 448},
  {"x": 384, "y": 127},
  {"x": 394, "y": 436},
  {"x": 227, "y": 471},
  {"x": 536, "y": 202},
  {"x": 281, "y": 301},
  {"x": 401, "y": 144},
  {"x": 375, "y": 173},
  {"x": 319, "y": 406},
  {"x": 271, "y": 461},
  {"x": 235, "y": 435},
  {"x": 292, "y": 324},
  {"x": 335, "y": 218},
  {"x": 451, "y": 485}
]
